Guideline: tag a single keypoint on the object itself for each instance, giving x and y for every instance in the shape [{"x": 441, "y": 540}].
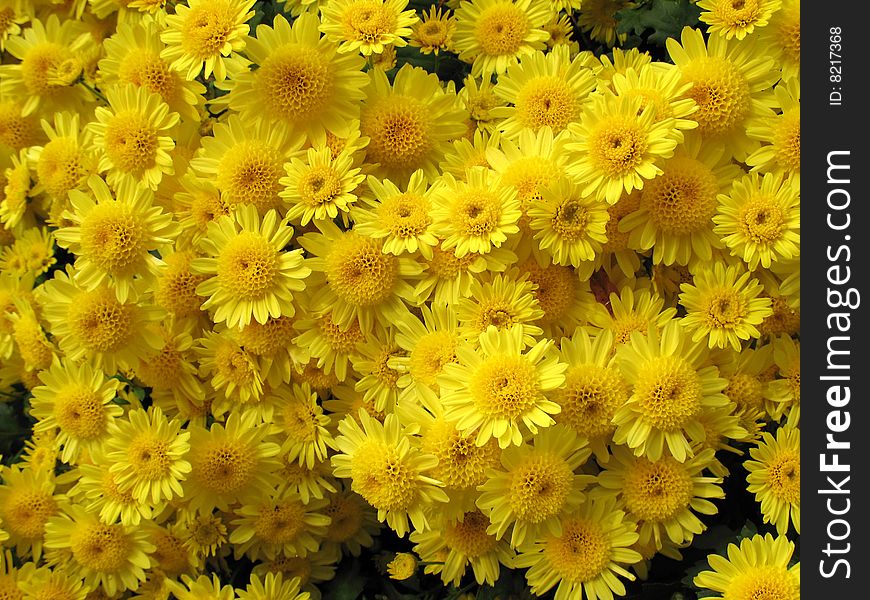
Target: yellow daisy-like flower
[
  {"x": 782, "y": 37},
  {"x": 661, "y": 86},
  {"x": 429, "y": 344},
  {"x": 387, "y": 470},
  {"x": 671, "y": 386},
  {"x": 403, "y": 220},
  {"x": 170, "y": 371},
  {"x": 569, "y": 226},
  {"x": 233, "y": 462},
  {"x": 113, "y": 235},
  {"x": 375, "y": 364},
  {"x": 628, "y": 312},
  {"x": 301, "y": 425},
  {"x": 35, "y": 349},
  {"x": 727, "y": 78},
  {"x": 200, "y": 36},
  {"x": 759, "y": 566},
  {"x": 564, "y": 297},
  {"x": 545, "y": 90},
  {"x": 675, "y": 209},
  {"x": 31, "y": 255},
  {"x": 246, "y": 160},
  {"x": 594, "y": 388},
  {"x": 367, "y": 26},
  {"x": 408, "y": 123},
  {"x": 759, "y": 219},
  {"x": 479, "y": 100},
  {"x": 253, "y": 277},
  {"x": 356, "y": 280},
  {"x": 275, "y": 526},
  {"x": 234, "y": 375},
  {"x": 535, "y": 485},
  {"x": 95, "y": 324},
  {"x": 268, "y": 344},
  {"x": 76, "y": 399},
  {"x": 112, "y": 557},
  {"x": 785, "y": 390},
  {"x": 27, "y": 502},
  {"x": 503, "y": 302},
  {"x": 434, "y": 32},
  {"x": 15, "y": 206},
  {"x": 328, "y": 344},
  {"x": 491, "y": 391},
  {"x": 134, "y": 136},
  {"x": 592, "y": 547},
  {"x": 132, "y": 56},
  {"x": 201, "y": 588},
  {"x": 775, "y": 477},
  {"x": 45, "y": 582},
  {"x": 662, "y": 494},
  {"x": 619, "y": 143},
  {"x": 476, "y": 215},
  {"x": 301, "y": 79},
  {"x": 66, "y": 160},
  {"x": 736, "y": 19},
  {"x": 272, "y": 586},
  {"x": 13, "y": 14},
  {"x": 722, "y": 305},
  {"x": 598, "y": 19},
  {"x": 782, "y": 133},
  {"x": 321, "y": 187},
  {"x": 96, "y": 490},
  {"x": 459, "y": 543},
  {"x": 493, "y": 34},
  {"x": 147, "y": 455},
  {"x": 353, "y": 522},
  {"x": 448, "y": 278},
  {"x": 41, "y": 49}
]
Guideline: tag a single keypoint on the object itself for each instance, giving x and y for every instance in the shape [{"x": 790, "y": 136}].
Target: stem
[{"x": 95, "y": 92}]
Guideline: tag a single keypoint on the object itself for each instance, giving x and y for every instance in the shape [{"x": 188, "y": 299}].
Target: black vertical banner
[{"x": 835, "y": 269}]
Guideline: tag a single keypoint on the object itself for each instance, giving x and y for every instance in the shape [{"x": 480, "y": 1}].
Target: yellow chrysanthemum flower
[
  {"x": 200, "y": 36},
  {"x": 275, "y": 526},
  {"x": 27, "y": 501},
  {"x": 722, "y": 304},
  {"x": 536, "y": 484},
  {"x": 113, "y": 235},
  {"x": 31, "y": 255},
  {"x": 785, "y": 390},
  {"x": 403, "y": 220},
  {"x": 781, "y": 130},
  {"x": 30, "y": 337},
  {"x": 448, "y": 278},
  {"x": 132, "y": 56},
  {"x": 374, "y": 363},
  {"x": 434, "y": 32},
  {"x": 230, "y": 370},
  {"x": 619, "y": 143},
  {"x": 782, "y": 37},
  {"x": 387, "y": 470},
  {"x": 592, "y": 547},
  {"x": 230, "y": 463},
  {"x": 729, "y": 19},
  {"x": 201, "y": 588},
  {"x": 503, "y": 301},
  {"x": 672, "y": 383},
  {"x": 328, "y": 344},
  {"x": 493, "y": 34},
  {"x": 598, "y": 19},
  {"x": 727, "y": 80},
  {"x": 459, "y": 543},
  {"x": 491, "y": 390},
  {"x": 775, "y": 477},
  {"x": 356, "y": 280},
  {"x": 112, "y": 557},
  {"x": 41, "y": 49},
  {"x": 759, "y": 219},
  {"x": 545, "y": 90},
  {"x": 627, "y": 312},
  {"x": 66, "y": 160},
  {"x": 760, "y": 565},
  {"x": 253, "y": 277},
  {"x": 272, "y": 586},
  {"x": 301, "y": 425},
  {"x": 367, "y": 26},
  {"x": 47, "y": 582},
  {"x": 408, "y": 123},
  {"x": 96, "y": 490},
  {"x": 321, "y": 187},
  {"x": 134, "y": 136},
  {"x": 562, "y": 295},
  {"x": 76, "y": 399},
  {"x": 15, "y": 207},
  {"x": 246, "y": 161},
  {"x": 301, "y": 80},
  {"x": 476, "y": 215},
  {"x": 147, "y": 455},
  {"x": 662, "y": 494}
]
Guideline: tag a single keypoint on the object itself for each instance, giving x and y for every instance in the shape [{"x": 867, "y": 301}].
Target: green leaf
[
  {"x": 658, "y": 20},
  {"x": 347, "y": 584}
]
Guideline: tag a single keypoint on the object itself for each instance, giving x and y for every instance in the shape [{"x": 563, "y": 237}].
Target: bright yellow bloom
[
  {"x": 367, "y": 26},
  {"x": 730, "y": 19},
  {"x": 490, "y": 391},
  {"x": 253, "y": 277},
  {"x": 775, "y": 478},
  {"x": 201, "y": 35}
]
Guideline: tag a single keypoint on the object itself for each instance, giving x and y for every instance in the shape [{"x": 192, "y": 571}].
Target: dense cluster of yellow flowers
[{"x": 265, "y": 293}]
